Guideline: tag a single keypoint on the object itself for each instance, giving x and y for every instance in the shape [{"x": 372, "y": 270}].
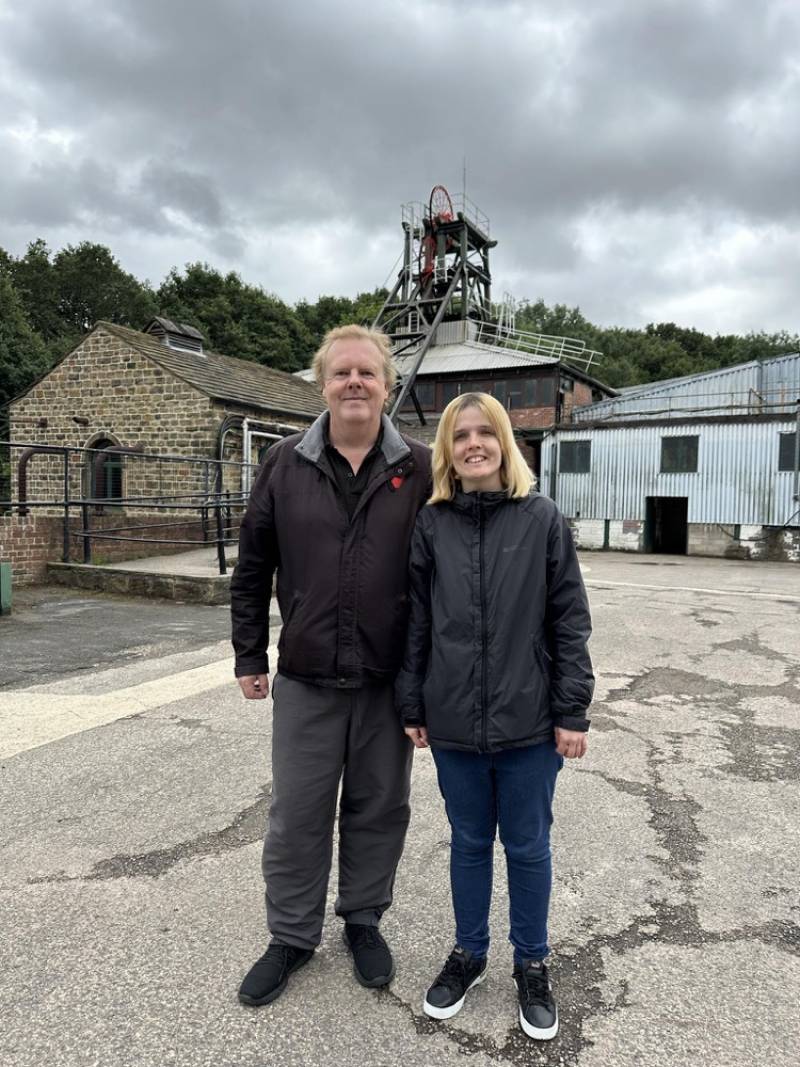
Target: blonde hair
[
  {"x": 515, "y": 474},
  {"x": 353, "y": 332}
]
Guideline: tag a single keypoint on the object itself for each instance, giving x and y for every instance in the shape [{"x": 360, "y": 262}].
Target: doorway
[{"x": 666, "y": 525}]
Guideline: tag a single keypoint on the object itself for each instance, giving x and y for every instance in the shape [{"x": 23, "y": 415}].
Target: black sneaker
[
  {"x": 538, "y": 1014},
  {"x": 267, "y": 978},
  {"x": 445, "y": 998},
  {"x": 372, "y": 961}
]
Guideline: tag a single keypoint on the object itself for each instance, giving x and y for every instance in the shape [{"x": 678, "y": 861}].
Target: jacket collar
[
  {"x": 472, "y": 502},
  {"x": 312, "y": 445}
]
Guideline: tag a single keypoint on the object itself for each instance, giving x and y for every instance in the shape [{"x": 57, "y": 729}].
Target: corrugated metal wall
[{"x": 737, "y": 479}]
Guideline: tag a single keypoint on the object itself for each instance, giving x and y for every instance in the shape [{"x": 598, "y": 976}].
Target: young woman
[{"x": 497, "y": 680}]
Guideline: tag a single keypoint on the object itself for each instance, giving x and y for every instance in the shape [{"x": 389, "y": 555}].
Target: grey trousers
[{"x": 319, "y": 737}]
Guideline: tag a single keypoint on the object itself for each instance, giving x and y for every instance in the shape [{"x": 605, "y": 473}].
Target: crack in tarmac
[{"x": 246, "y": 828}]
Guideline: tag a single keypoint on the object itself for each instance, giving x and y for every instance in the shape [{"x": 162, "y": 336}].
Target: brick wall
[{"x": 30, "y": 542}]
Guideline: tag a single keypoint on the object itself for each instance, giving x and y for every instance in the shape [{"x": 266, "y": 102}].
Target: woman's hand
[
  {"x": 419, "y": 735},
  {"x": 571, "y": 744}
]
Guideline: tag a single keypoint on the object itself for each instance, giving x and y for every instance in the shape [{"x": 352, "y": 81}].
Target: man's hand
[
  {"x": 419, "y": 735},
  {"x": 254, "y": 686},
  {"x": 571, "y": 744}
]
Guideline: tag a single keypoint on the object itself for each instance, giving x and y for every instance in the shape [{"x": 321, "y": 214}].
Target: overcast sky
[{"x": 638, "y": 158}]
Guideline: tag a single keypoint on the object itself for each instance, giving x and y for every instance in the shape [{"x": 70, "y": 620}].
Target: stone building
[{"x": 150, "y": 395}]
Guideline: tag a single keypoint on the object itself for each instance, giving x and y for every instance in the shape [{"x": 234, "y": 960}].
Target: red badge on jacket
[{"x": 397, "y": 481}]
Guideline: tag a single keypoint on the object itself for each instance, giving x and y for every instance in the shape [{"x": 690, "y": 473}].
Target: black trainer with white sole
[
  {"x": 538, "y": 1014},
  {"x": 461, "y": 972}
]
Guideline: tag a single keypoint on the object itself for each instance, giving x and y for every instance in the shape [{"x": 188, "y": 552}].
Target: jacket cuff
[
  {"x": 253, "y": 666},
  {"x": 573, "y": 722},
  {"x": 413, "y": 718}
]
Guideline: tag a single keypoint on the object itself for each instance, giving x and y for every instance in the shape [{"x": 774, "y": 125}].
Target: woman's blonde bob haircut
[
  {"x": 515, "y": 474},
  {"x": 355, "y": 333}
]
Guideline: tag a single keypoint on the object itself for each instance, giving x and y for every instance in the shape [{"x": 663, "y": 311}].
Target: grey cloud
[{"x": 223, "y": 125}]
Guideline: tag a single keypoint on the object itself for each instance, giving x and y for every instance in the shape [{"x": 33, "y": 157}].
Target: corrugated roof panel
[
  {"x": 471, "y": 357},
  {"x": 770, "y": 385}
]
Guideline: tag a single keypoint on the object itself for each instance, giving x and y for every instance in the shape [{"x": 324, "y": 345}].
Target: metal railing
[
  {"x": 206, "y": 506},
  {"x": 537, "y": 344}
]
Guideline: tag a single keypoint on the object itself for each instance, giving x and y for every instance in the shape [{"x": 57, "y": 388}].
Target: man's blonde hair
[
  {"x": 353, "y": 332},
  {"x": 515, "y": 475}
]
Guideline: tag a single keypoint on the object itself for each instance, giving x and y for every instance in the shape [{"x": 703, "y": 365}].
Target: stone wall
[
  {"x": 117, "y": 393},
  {"x": 105, "y": 388}
]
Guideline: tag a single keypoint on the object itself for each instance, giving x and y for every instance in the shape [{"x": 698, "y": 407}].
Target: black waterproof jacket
[
  {"x": 496, "y": 650},
  {"x": 342, "y": 584}
]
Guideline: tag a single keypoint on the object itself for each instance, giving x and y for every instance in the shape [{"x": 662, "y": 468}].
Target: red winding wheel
[{"x": 440, "y": 206}]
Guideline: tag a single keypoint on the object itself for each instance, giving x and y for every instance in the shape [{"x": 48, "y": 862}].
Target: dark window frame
[
  {"x": 107, "y": 484},
  {"x": 577, "y": 459},
  {"x": 786, "y": 444},
  {"x": 680, "y": 454},
  {"x": 426, "y": 405}
]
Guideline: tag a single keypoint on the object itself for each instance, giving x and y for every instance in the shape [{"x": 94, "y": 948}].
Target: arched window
[{"x": 104, "y": 476}]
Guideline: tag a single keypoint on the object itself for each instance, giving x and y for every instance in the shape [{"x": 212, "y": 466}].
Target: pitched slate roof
[{"x": 226, "y": 378}]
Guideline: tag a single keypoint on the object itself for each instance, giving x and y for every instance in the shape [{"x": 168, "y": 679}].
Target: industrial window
[
  {"x": 539, "y": 392},
  {"x": 499, "y": 392},
  {"x": 786, "y": 451},
  {"x": 426, "y": 395},
  {"x": 514, "y": 391},
  {"x": 575, "y": 457},
  {"x": 679, "y": 454},
  {"x": 450, "y": 390}
]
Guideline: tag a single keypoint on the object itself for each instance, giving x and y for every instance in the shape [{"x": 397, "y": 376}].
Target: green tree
[
  {"x": 91, "y": 285},
  {"x": 35, "y": 280},
  {"x": 23, "y": 354},
  {"x": 23, "y": 359}
]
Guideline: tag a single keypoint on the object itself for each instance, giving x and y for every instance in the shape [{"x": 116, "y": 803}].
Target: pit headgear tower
[{"x": 444, "y": 277}]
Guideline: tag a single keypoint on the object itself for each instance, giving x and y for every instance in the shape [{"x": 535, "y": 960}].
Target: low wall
[
  {"x": 777, "y": 543},
  {"x": 30, "y": 542},
  {"x": 620, "y": 535}
]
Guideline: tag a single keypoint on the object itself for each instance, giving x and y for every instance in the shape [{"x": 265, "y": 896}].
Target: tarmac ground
[{"x": 135, "y": 784}]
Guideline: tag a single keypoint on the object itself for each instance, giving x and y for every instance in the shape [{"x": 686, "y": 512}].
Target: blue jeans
[{"x": 514, "y": 790}]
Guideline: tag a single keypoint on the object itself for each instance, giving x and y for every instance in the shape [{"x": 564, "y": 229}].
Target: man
[{"x": 332, "y": 510}]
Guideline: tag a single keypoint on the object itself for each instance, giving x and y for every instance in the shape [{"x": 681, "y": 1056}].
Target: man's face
[{"x": 354, "y": 387}]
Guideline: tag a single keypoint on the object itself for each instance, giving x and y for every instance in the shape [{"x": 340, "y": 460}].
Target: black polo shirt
[{"x": 350, "y": 485}]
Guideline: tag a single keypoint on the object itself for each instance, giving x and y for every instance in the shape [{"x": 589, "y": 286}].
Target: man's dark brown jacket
[{"x": 342, "y": 584}]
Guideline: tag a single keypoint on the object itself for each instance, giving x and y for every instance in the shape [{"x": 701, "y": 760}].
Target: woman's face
[{"x": 477, "y": 457}]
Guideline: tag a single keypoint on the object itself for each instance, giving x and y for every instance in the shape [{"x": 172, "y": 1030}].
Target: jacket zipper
[{"x": 484, "y": 634}]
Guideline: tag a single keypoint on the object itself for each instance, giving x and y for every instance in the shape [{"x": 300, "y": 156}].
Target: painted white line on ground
[
  {"x": 601, "y": 582},
  {"x": 28, "y": 720}
]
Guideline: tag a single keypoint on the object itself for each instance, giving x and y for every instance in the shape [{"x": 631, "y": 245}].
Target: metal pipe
[
  {"x": 65, "y": 532},
  {"x": 797, "y": 455},
  {"x": 22, "y": 470},
  {"x": 87, "y": 539},
  {"x": 223, "y": 568}
]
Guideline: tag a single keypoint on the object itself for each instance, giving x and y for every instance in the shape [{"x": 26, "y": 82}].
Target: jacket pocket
[{"x": 544, "y": 659}]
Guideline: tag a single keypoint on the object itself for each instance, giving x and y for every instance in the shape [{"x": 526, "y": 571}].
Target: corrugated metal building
[{"x": 703, "y": 465}]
